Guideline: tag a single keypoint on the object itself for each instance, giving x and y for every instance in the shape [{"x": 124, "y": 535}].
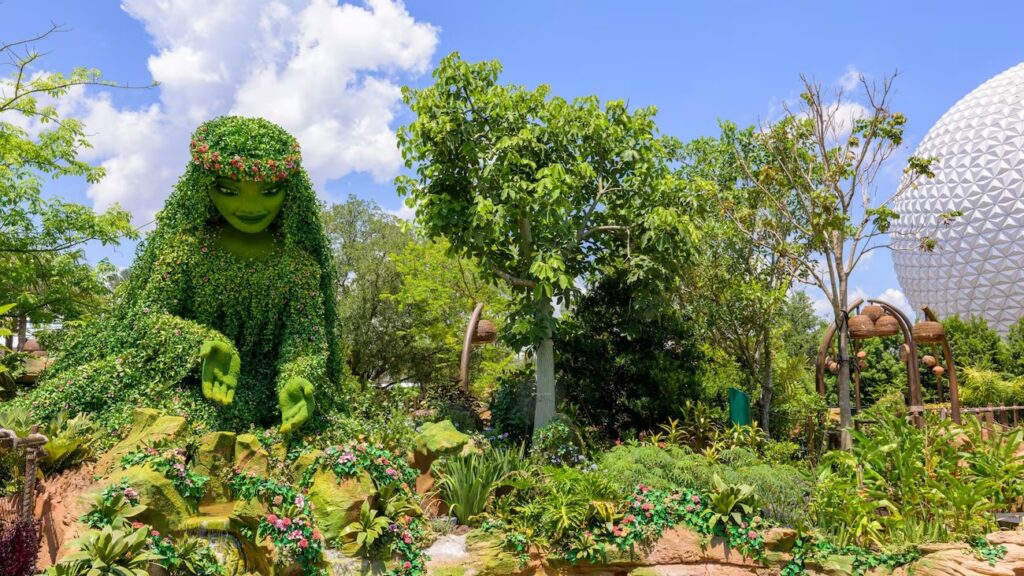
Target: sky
[{"x": 331, "y": 73}]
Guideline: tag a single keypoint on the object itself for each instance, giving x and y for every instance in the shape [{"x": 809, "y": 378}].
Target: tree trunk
[
  {"x": 843, "y": 383},
  {"x": 767, "y": 385},
  {"x": 544, "y": 362},
  {"x": 22, "y": 332}
]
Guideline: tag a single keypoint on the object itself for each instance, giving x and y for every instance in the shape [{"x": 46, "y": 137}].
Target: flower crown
[{"x": 242, "y": 148}]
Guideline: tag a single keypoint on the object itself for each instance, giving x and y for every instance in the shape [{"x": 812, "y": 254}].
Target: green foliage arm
[
  {"x": 161, "y": 330},
  {"x": 302, "y": 365}
]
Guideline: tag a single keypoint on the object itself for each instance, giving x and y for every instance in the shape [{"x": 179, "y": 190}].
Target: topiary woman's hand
[
  {"x": 221, "y": 366},
  {"x": 296, "y": 400}
]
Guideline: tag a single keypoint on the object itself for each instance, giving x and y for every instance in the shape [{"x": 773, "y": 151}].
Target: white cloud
[
  {"x": 851, "y": 79},
  {"x": 328, "y": 73},
  {"x": 404, "y": 212}
]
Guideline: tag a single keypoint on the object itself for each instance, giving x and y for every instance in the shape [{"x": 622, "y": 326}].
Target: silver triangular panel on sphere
[{"x": 975, "y": 269}]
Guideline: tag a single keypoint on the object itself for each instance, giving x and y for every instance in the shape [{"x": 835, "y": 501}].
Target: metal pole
[{"x": 467, "y": 345}]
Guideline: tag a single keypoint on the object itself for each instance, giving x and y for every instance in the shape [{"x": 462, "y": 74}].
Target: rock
[
  {"x": 250, "y": 456},
  {"x": 779, "y": 539},
  {"x": 166, "y": 509},
  {"x": 149, "y": 427},
  {"x": 490, "y": 559},
  {"x": 682, "y": 546},
  {"x": 303, "y": 462},
  {"x": 434, "y": 440},
  {"x": 336, "y": 502},
  {"x": 214, "y": 459},
  {"x": 831, "y": 566}
]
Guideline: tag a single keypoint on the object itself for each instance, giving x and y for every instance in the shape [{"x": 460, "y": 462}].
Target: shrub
[
  {"x": 938, "y": 483},
  {"x": 108, "y": 551},
  {"x": 557, "y": 444},
  {"x": 782, "y": 489},
  {"x": 19, "y": 547},
  {"x": 70, "y": 442},
  {"x": 466, "y": 483},
  {"x": 512, "y": 404}
]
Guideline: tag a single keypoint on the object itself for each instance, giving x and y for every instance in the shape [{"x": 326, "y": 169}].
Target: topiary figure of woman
[{"x": 229, "y": 313}]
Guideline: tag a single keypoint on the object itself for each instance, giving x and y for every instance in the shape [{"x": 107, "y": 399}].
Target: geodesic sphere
[{"x": 977, "y": 265}]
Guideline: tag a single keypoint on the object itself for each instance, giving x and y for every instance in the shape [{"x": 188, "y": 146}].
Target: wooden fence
[{"x": 22, "y": 506}]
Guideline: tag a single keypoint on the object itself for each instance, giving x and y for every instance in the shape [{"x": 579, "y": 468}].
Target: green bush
[
  {"x": 512, "y": 404},
  {"x": 781, "y": 488},
  {"x": 466, "y": 483},
  {"x": 936, "y": 483},
  {"x": 557, "y": 444}
]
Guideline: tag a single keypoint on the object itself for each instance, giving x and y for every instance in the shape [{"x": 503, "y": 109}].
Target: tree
[
  {"x": 364, "y": 239},
  {"x": 820, "y": 176},
  {"x": 738, "y": 283},
  {"x": 41, "y": 238},
  {"x": 977, "y": 345},
  {"x": 628, "y": 358},
  {"x": 403, "y": 301},
  {"x": 540, "y": 191}
]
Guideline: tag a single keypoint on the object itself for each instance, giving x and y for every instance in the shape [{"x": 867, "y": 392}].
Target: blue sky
[{"x": 697, "y": 62}]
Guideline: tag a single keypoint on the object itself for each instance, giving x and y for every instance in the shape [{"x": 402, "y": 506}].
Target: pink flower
[
  {"x": 407, "y": 538},
  {"x": 278, "y": 500},
  {"x": 300, "y": 501},
  {"x": 696, "y": 499},
  {"x": 743, "y": 524},
  {"x": 689, "y": 507},
  {"x": 286, "y": 521},
  {"x": 647, "y": 506},
  {"x": 272, "y": 518},
  {"x": 406, "y": 565},
  {"x": 303, "y": 543},
  {"x": 154, "y": 532},
  {"x": 316, "y": 534},
  {"x": 136, "y": 525},
  {"x": 752, "y": 535}
]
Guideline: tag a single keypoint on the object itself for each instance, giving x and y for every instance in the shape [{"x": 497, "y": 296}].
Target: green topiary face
[{"x": 248, "y": 206}]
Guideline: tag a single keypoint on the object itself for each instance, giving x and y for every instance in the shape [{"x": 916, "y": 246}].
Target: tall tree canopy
[
  {"x": 541, "y": 191},
  {"x": 41, "y": 262}
]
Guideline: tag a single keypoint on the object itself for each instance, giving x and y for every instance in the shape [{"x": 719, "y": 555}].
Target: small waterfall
[{"x": 226, "y": 547}]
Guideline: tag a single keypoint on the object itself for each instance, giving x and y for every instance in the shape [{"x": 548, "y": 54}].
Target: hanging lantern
[
  {"x": 928, "y": 360},
  {"x": 904, "y": 352},
  {"x": 861, "y": 327},
  {"x": 862, "y": 354},
  {"x": 887, "y": 326},
  {"x": 862, "y": 365},
  {"x": 929, "y": 332},
  {"x": 938, "y": 370},
  {"x": 833, "y": 367},
  {"x": 485, "y": 332},
  {"x": 873, "y": 311}
]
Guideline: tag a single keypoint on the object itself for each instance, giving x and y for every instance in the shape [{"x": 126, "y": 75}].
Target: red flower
[
  {"x": 272, "y": 518},
  {"x": 303, "y": 543}
]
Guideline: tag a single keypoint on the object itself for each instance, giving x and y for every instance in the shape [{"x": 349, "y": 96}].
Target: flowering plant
[
  {"x": 217, "y": 146},
  {"x": 173, "y": 464},
  {"x": 395, "y": 527},
  {"x": 114, "y": 506},
  {"x": 289, "y": 525},
  {"x": 348, "y": 460}
]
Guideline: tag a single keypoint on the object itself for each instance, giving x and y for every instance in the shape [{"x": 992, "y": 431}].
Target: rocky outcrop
[
  {"x": 149, "y": 428},
  {"x": 336, "y": 502}
]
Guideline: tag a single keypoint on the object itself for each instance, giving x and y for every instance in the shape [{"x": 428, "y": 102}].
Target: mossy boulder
[
  {"x": 336, "y": 502},
  {"x": 250, "y": 456},
  {"x": 166, "y": 510},
  {"x": 214, "y": 459},
  {"x": 303, "y": 462},
  {"x": 434, "y": 440},
  {"x": 149, "y": 427},
  {"x": 489, "y": 558}
]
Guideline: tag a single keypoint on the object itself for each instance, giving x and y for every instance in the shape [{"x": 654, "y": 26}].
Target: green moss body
[{"x": 276, "y": 310}]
